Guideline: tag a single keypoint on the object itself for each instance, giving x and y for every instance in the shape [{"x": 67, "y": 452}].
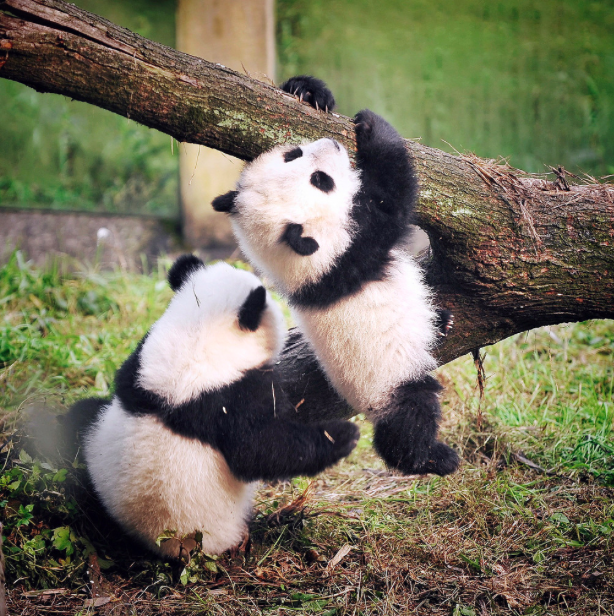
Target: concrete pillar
[{"x": 240, "y": 35}]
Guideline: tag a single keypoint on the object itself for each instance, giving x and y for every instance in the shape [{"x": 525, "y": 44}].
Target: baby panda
[
  {"x": 195, "y": 419},
  {"x": 331, "y": 238}
]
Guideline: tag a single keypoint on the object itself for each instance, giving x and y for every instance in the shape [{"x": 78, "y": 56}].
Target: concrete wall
[{"x": 79, "y": 238}]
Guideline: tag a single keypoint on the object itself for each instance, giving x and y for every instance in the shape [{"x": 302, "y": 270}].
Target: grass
[
  {"x": 525, "y": 527},
  {"x": 63, "y": 154},
  {"x": 531, "y": 80}
]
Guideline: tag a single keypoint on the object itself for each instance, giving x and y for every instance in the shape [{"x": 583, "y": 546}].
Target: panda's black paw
[
  {"x": 407, "y": 443},
  {"x": 438, "y": 460},
  {"x": 310, "y": 90},
  {"x": 342, "y": 436},
  {"x": 442, "y": 460},
  {"x": 372, "y": 131},
  {"x": 364, "y": 122},
  {"x": 444, "y": 322}
]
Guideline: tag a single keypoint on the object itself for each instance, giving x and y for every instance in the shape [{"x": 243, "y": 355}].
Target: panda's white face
[
  {"x": 198, "y": 344},
  {"x": 311, "y": 185}
]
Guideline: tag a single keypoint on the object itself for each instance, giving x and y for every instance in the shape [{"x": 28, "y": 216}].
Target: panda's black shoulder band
[
  {"x": 293, "y": 236},
  {"x": 181, "y": 270}
]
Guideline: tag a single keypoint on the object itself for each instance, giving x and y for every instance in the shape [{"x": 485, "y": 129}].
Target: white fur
[
  {"x": 273, "y": 193},
  {"x": 370, "y": 342},
  {"x": 197, "y": 344},
  {"x": 373, "y": 341},
  {"x": 152, "y": 480}
]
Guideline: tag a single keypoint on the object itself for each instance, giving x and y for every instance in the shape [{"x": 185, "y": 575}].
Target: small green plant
[{"x": 525, "y": 527}]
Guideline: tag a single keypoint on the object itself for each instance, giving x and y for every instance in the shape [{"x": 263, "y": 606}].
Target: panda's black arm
[
  {"x": 282, "y": 449},
  {"x": 389, "y": 182},
  {"x": 246, "y": 422}
]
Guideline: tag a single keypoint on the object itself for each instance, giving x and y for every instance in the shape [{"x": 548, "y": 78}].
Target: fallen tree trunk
[{"x": 509, "y": 252}]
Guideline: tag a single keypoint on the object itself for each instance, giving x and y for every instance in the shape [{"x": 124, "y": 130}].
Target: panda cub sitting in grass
[
  {"x": 331, "y": 238},
  {"x": 194, "y": 421}
]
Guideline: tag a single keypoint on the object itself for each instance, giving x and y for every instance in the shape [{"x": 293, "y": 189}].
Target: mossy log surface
[{"x": 509, "y": 252}]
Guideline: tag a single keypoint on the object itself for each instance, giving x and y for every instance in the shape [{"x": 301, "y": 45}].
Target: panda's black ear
[
  {"x": 225, "y": 203},
  {"x": 251, "y": 311},
  {"x": 181, "y": 270}
]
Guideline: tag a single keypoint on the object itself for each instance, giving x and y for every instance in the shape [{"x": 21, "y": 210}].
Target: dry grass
[
  {"x": 525, "y": 527},
  {"x": 493, "y": 539},
  {"x": 487, "y": 541}
]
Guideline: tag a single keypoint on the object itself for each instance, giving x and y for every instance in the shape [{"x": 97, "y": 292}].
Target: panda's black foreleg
[
  {"x": 282, "y": 449},
  {"x": 389, "y": 180},
  {"x": 406, "y": 433}
]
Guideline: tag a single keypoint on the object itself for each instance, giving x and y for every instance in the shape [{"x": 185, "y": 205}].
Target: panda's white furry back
[
  {"x": 193, "y": 423},
  {"x": 151, "y": 480},
  {"x": 331, "y": 238}
]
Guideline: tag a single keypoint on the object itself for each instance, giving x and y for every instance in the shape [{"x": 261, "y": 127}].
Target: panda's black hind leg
[
  {"x": 310, "y": 90},
  {"x": 406, "y": 435}
]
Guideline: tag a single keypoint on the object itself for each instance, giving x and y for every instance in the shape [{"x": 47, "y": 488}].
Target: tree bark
[{"x": 509, "y": 252}]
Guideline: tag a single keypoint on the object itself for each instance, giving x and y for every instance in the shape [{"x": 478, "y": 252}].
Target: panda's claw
[
  {"x": 444, "y": 322},
  {"x": 311, "y": 91},
  {"x": 364, "y": 124}
]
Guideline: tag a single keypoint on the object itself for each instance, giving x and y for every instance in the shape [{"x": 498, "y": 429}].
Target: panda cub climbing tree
[
  {"x": 196, "y": 416},
  {"x": 331, "y": 238}
]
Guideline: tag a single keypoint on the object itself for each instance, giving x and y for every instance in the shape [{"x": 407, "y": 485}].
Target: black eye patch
[
  {"x": 322, "y": 181},
  {"x": 293, "y": 155},
  {"x": 302, "y": 245}
]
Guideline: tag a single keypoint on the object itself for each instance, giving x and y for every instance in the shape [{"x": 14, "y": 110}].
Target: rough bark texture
[{"x": 508, "y": 252}]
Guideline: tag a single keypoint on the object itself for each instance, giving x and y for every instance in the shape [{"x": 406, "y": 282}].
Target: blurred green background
[{"x": 529, "y": 80}]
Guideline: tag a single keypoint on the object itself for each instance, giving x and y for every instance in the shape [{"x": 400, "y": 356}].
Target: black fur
[
  {"x": 243, "y": 420},
  {"x": 322, "y": 181},
  {"x": 381, "y": 212},
  {"x": 310, "y": 90},
  {"x": 225, "y": 202},
  {"x": 406, "y": 436},
  {"x": 293, "y": 155},
  {"x": 75, "y": 424},
  {"x": 181, "y": 270},
  {"x": 250, "y": 313},
  {"x": 293, "y": 236}
]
